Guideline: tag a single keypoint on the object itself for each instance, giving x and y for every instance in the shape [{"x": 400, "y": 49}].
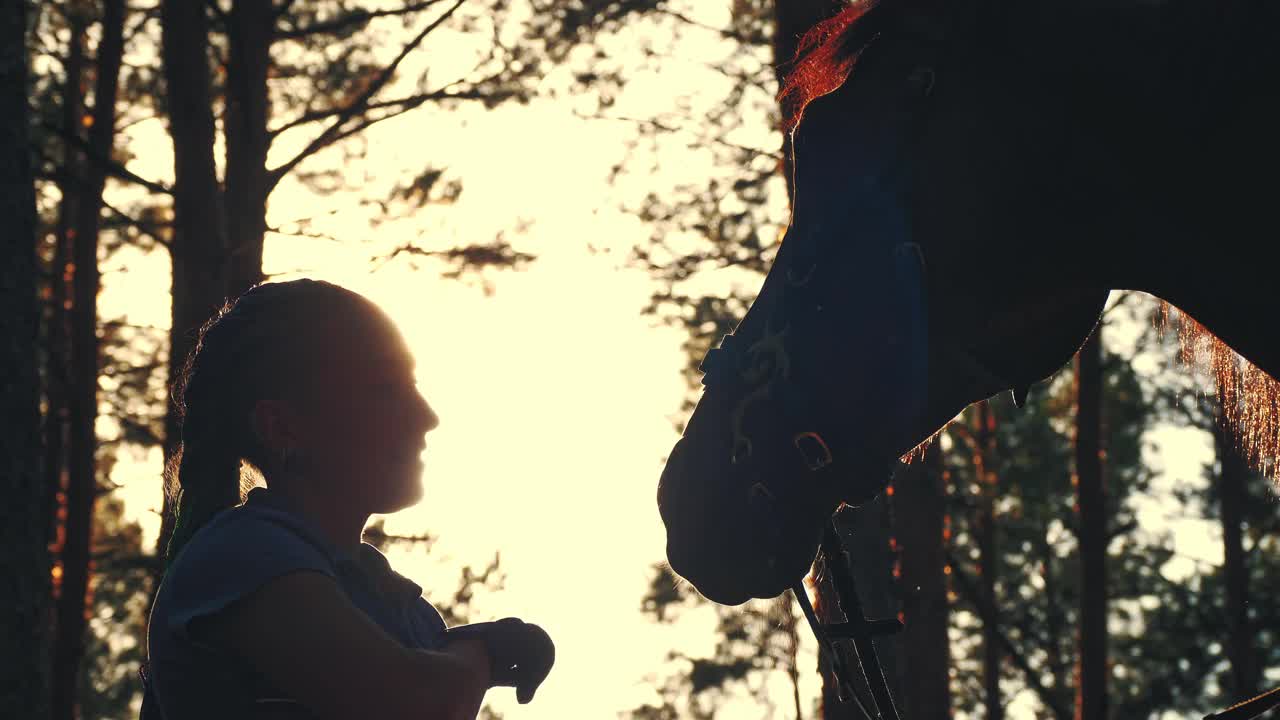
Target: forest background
[{"x": 563, "y": 203}]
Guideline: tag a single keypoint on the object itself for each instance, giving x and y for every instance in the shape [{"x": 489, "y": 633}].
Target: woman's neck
[{"x": 339, "y": 523}]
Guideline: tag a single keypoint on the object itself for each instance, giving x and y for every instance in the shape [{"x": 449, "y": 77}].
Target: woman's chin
[{"x": 403, "y": 495}]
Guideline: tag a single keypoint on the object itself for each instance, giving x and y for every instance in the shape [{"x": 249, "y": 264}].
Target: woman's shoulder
[
  {"x": 252, "y": 535},
  {"x": 238, "y": 551}
]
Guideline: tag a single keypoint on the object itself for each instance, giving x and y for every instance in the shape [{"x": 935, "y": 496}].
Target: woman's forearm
[{"x": 453, "y": 681}]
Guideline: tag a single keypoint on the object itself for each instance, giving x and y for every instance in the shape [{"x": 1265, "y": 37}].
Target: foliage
[
  {"x": 116, "y": 645},
  {"x": 1166, "y": 627},
  {"x": 756, "y": 649}
]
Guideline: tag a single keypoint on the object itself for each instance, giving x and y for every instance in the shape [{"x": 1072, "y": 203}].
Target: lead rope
[
  {"x": 856, "y": 628},
  {"x": 829, "y": 648},
  {"x": 1249, "y": 709}
]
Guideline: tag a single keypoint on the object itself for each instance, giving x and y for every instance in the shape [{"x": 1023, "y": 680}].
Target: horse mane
[
  {"x": 1250, "y": 398},
  {"x": 824, "y": 59}
]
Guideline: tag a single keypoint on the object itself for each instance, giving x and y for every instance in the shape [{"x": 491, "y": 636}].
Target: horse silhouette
[{"x": 971, "y": 180}]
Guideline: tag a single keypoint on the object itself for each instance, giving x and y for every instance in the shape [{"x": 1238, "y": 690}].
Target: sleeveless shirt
[{"x": 237, "y": 552}]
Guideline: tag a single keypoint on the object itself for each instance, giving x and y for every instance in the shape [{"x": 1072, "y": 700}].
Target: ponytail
[
  {"x": 203, "y": 476},
  {"x": 207, "y": 481}
]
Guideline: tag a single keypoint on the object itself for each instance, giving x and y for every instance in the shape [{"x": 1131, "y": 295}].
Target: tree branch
[
  {"x": 302, "y": 234},
  {"x": 352, "y": 19},
  {"x": 726, "y": 34},
  {"x": 150, "y": 229},
  {"x": 113, "y": 168},
  {"x": 411, "y": 103},
  {"x": 673, "y": 129},
  {"x": 331, "y": 134},
  {"x": 987, "y": 613},
  {"x": 404, "y": 103}
]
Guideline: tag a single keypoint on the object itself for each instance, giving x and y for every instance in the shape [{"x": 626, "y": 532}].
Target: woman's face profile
[{"x": 366, "y": 419}]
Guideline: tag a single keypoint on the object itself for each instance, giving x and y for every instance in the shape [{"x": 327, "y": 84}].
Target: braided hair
[{"x": 254, "y": 347}]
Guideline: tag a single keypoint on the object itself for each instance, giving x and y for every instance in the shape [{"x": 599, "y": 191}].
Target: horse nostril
[{"x": 763, "y": 506}]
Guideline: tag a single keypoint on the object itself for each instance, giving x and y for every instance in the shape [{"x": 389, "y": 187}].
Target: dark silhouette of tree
[
  {"x": 921, "y": 530},
  {"x": 24, "y": 594},
  {"x": 1232, "y": 490},
  {"x": 1024, "y": 607},
  {"x": 989, "y": 557},
  {"x": 1091, "y": 506},
  {"x": 82, "y": 476}
]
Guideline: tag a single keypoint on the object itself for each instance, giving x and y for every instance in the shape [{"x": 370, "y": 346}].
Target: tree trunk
[
  {"x": 24, "y": 593},
  {"x": 1091, "y": 688},
  {"x": 1233, "y": 497},
  {"x": 984, "y": 460},
  {"x": 198, "y": 245},
  {"x": 1056, "y": 662},
  {"x": 82, "y": 484},
  {"x": 791, "y": 626},
  {"x": 919, "y": 512},
  {"x": 250, "y": 29},
  {"x": 57, "y": 370}
]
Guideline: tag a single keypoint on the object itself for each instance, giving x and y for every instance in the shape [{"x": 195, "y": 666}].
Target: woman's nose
[{"x": 430, "y": 420}]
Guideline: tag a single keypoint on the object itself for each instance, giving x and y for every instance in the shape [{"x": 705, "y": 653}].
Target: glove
[{"x": 520, "y": 654}]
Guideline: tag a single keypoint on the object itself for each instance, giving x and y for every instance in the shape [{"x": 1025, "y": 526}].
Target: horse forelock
[
  {"x": 1250, "y": 398},
  {"x": 824, "y": 59}
]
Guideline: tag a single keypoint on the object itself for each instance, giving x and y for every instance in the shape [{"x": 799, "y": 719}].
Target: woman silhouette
[{"x": 274, "y": 606}]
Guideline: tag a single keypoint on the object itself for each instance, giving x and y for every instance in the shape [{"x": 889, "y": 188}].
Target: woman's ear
[{"x": 274, "y": 425}]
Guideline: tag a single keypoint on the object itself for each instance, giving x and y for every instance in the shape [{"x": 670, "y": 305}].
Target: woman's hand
[{"x": 520, "y": 654}]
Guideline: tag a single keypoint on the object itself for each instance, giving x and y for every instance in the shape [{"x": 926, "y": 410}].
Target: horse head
[{"x": 870, "y": 331}]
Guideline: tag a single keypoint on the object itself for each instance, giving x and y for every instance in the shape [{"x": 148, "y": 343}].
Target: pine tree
[
  {"x": 82, "y": 382},
  {"x": 921, "y": 531},
  {"x": 25, "y": 593},
  {"x": 1091, "y": 687}
]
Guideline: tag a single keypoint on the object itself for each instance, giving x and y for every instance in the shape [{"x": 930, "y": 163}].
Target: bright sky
[{"x": 557, "y": 396}]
